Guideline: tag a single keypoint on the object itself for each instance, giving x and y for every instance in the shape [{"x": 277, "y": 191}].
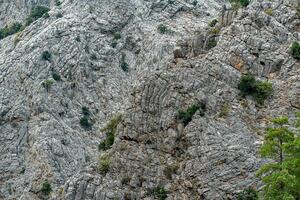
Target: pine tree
[{"x": 282, "y": 176}]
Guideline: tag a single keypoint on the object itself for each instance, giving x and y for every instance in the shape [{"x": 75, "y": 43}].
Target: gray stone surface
[{"x": 215, "y": 155}]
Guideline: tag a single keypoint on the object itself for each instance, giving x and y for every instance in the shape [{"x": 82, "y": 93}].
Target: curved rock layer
[{"x": 145, "y": 60}]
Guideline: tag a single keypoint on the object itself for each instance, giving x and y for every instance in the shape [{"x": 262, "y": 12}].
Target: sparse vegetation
[
  {"x": 117, "y": 35},
  {"x": 84, "y": 122},
  {"x": 36, "y": 13},
  {"x": 160, "y": 193},
  {"x": 260, "y": 90},
  {"x": 225, "y": 109},
  {"x": 110, "y": 130},
  {"x": 162, "y": 29},
  {"x": 214, "y": 31},
  {"x": 269, "y": 11},
  {"x": 103, "y": 164},
  {"x": 248, "y": 194},
  {"x": 211, "y": 43},
  {"x": 56, "y": 76},
  {"x": 10, "y": 30},
  {"x": 236, "y": 4},
  {"x": 170, "y": 170},
  {"x": 93, "y": 57},
  {"x": 244, "y": 3},
  {"x": 186, "y": 116},
  {"x": 46, "y": 188},
  {"x": 295, "y": 50},
  {"x": 47, "y": 84},
  {"x": 46, "y": 55},
  {"x": 213, "y": 23},
  {"x": 78, "y": 38},
  {"x": 85, "y": 111},
  {"x": 125, "y": 180},
  {"x": 124, "y": 66}
]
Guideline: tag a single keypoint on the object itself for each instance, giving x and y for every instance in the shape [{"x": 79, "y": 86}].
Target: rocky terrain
[{"x": 129, "y": 67}]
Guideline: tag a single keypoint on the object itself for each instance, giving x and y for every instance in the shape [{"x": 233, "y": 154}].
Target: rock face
[{"x": 145, "y": 60}]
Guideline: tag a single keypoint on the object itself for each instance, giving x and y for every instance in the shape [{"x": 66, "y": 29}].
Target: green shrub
[
  {"x": 117, "y": 35},
  {"x": 236, "y": 4},
  {"x": 211, "y": 43},
  {"x": 84, "y": 122},
  {"x": 269, "y": 11},
  {"x": 160, "y": 193},
  {"x": 56, "y": 76},
  {"x": 85, "y": 111},
  {"x": 46, "y": 55},
  {"x": 103, "y": 164},
  {"x": 263, "y": 91},
  {"x": 260, "y": 90},
  {"x": 10, "y": 30},
  {"x": 110, "y": 130},
  {"x": 47, "y": 84},
  {"x": 36, "y": 13},
  {"x": 124, "y": 66},
  {"x": 185, "y": 116},
  {"x": 46, "y": 188},
  {"x": 162, "y": 29},
  {"x": 213, "y": 23},
  {"x": 244, "y": 3},
  {"x": 248, "y": 194},
  {"x": 247, "y": 85},
  {"x": 114, "y": 44},
  {"x": 225, "y": 109},
  {"x": 295, "y": 50}
]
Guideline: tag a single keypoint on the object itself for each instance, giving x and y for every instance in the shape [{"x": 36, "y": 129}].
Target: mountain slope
[{"x": 144, "y": 60}]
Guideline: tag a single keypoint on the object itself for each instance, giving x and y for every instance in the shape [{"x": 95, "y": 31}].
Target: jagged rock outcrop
[{"x": 145, "y": 60}]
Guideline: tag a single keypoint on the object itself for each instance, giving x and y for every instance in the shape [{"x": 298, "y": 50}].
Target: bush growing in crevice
[
  {"x": 117, "y": 36},
  {"x": 248, "y": 194},
  {"x": 85, "y": 111},
  {"x": 160, "y": 193},
  {"x": 225, "y": 109},
  {"x": 163, "y": 29},
  {"x": 46, "y": 55},
  {"x": 46, "y": 188},
  {"x": 56, "y": 76},
  {"x": 47, "y": 84},
  {"x": 110, "y": 130},
  {"x": 84, "y": 122},
  {"x": 36, "y": 13},
  {"x": 185, "y": 116},
  {"x": 124, "y": 65},
  {"x": 236, "y": 4},
  {"x": 103, "y": 164},
  {"x": 10, "y": 30},
  {"x": 295, "y": 50},
  {"x": 213, "y": 23},
  {"x": 260, "y": 90},
  {"x": 85, "y": 119},
  {"x": 211, "y": 43}
]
